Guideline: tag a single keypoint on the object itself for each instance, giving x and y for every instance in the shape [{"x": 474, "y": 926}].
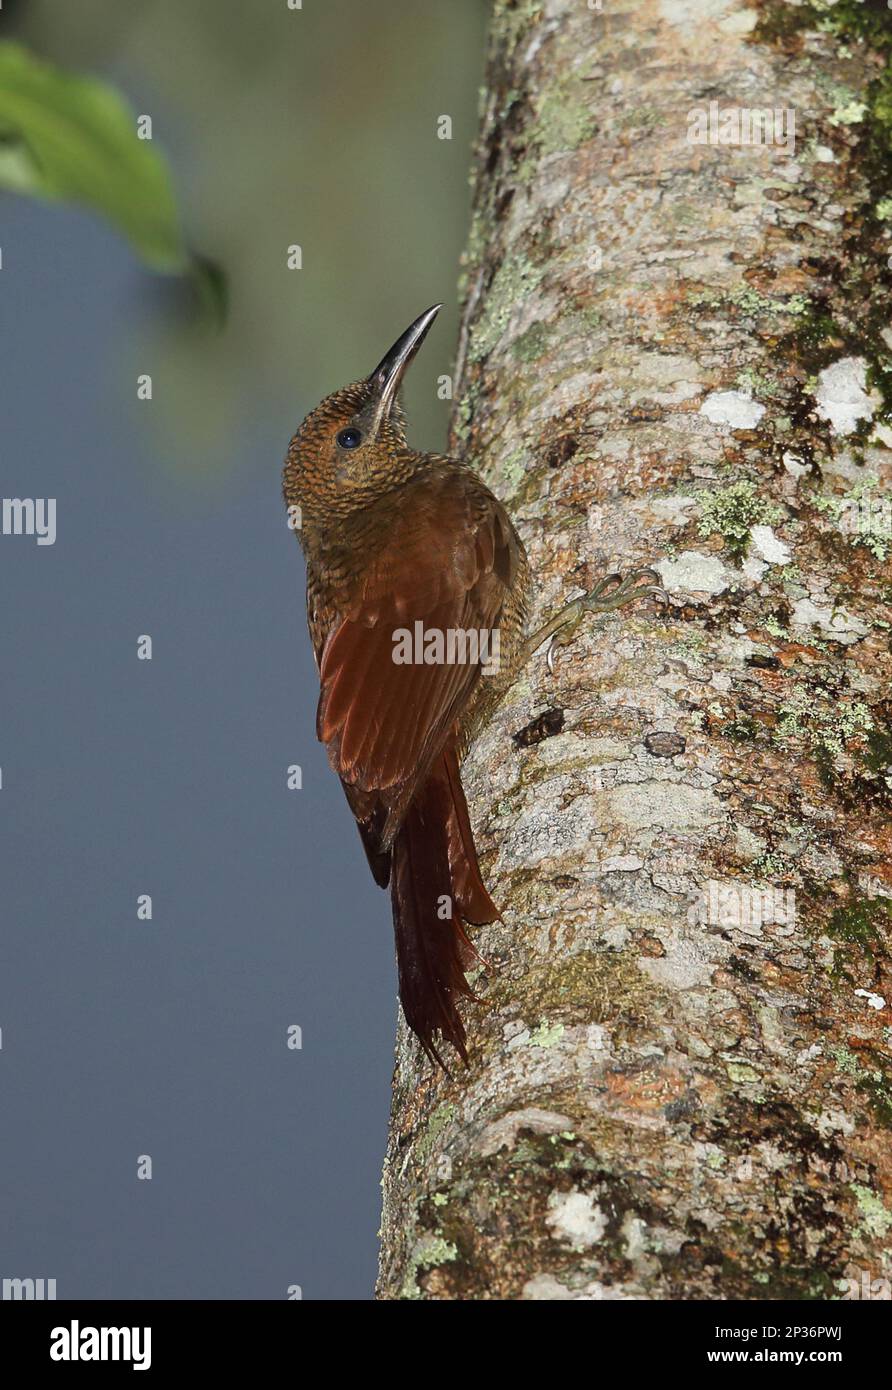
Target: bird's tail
[{"x": 436, "y": 888}]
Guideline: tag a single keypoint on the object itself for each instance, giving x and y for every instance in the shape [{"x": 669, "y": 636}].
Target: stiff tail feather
[{"x": 435, "y": 888}]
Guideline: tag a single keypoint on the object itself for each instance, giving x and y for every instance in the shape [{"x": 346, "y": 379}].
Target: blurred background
[{"x": 123, "y": 1037}]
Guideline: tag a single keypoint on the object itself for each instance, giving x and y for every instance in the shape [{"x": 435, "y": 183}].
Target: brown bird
[{"x": 417, "y": 587}]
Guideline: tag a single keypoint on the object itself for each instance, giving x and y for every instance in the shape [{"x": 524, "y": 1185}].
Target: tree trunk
[{"x": 675, "y": 351}]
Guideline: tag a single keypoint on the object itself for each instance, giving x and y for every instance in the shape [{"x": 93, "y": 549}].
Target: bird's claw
[{"x": 614, "y": 591}]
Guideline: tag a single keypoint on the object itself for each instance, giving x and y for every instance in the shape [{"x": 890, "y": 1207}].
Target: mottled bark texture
[{"x": 676, "y": 353}]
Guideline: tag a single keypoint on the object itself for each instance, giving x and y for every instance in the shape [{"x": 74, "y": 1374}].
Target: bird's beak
[{"x": 385, "y": 380}]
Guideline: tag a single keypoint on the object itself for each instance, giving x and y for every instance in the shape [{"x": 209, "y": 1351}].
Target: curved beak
[{"x": 389, "y": 373}]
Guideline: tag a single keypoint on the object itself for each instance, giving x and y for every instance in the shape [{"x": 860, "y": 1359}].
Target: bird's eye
[{"x": 349, "y": 439}]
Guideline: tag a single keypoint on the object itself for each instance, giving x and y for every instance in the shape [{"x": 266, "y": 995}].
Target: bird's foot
[{"x": 613, "y": 591}]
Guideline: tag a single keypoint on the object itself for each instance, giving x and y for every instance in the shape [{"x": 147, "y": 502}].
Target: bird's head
[{"x": 346, "y": 442}]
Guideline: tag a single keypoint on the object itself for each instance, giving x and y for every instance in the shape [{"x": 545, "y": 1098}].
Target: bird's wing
[{"x": 446, "y": 560}]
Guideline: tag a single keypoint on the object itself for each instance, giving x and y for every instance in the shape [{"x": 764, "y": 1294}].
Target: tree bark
[{"x": 676, "y": 353}]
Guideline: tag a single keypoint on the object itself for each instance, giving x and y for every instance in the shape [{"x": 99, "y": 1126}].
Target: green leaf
[
  {"x": 64, "y": 136},
  {"x": 212, "y": 290}
]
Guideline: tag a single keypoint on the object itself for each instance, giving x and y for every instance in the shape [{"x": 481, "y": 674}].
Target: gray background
[{"x": 123, "y": 777}]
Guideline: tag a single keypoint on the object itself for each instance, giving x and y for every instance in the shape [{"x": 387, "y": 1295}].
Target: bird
[{"x": 418, "y": 593}]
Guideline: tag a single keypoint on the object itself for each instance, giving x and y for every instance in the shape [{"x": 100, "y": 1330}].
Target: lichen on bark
[{"x": 678, "y": 354}]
